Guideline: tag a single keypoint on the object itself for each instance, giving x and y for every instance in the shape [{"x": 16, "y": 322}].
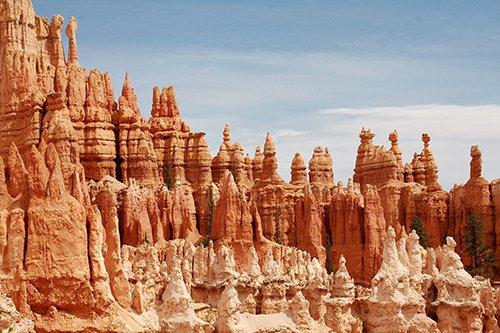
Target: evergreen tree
[
  {"x": 277, "y": 224},
  {"x": 211, "y": 210},
  {"x": 418, "y": 226},
  {"x": 330, "y": 265},
  {"x": 482, "y": 258},
  {"x": 168, "y": 177}
]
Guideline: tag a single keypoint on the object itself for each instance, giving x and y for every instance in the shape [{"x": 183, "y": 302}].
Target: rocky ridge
[{"x": 113, "y": 222}]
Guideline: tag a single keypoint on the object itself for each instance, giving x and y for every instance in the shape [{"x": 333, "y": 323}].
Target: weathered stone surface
[
  {"x": 137, "y": 159},
  {"x": 232, "y": 221},
  {"x": 310, "y": 226},
  {"x": 56, "y": 264},
  {"x": 475, "y": 197},
  {"x": 298, "y": 171},
  {"x": 357, "y": 225},
  {"x": 321, "y": 167},
  {"x": 111, "y": 222},
  {"x": 374, "y": 164}
]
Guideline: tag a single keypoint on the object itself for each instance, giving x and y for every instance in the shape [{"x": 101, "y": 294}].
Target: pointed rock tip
[
  {"x": 72, "y": 27},
  {"x": 342, "y": 261},
  {"x": 269, "y": 147}
]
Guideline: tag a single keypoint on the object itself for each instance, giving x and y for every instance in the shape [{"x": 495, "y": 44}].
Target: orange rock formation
[{"x": 113, "y": 222}]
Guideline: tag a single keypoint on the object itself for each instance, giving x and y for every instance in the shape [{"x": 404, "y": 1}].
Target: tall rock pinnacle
[
  {"x": 270, "y": 162},
  {"x": 71, "y": 29},
  {"x": 110, "y": 222}
]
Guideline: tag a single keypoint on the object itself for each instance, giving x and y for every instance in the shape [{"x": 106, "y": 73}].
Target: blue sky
[{"x": 311, "y": 72}]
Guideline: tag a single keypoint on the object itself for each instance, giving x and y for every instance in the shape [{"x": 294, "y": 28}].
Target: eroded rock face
[
  {"x": 357, "y": 225},
  {"x": 136, "y": 154},
  {"x": 374, "y": 164},
  {"x": 460, "y": 303},
  {"x": 231, "y": 157},
  {"x": 57, "y": 265},
  {"x": 321, "y": 167},
  {"x": 475, "y": 197},
  {"x": 177, "y": 311},
  {"x": 309, "y": 226},
  {"x": 111, "y": 222}
]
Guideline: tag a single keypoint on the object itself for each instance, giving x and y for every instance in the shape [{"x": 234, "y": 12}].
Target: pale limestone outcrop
[
  {"x": 297, "y": 319},
  {"x": 395, "y": 303},
  {"x": 461, "y": 299},
  {"x": 338, "y": 306},
  {"x": 177, "y": 310}
]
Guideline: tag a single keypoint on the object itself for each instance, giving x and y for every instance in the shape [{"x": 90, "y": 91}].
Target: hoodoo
[{"x": 110, "y": 222}]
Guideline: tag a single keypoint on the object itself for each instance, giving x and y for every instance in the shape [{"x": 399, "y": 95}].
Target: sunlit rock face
[{"x": 110, "y": 222}]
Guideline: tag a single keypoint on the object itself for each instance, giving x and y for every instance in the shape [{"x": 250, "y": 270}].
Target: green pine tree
[
  {"x": 277, "y": 224},
  {"x": 482, "y": 258},
  {"x": 168, "y": 177},
  {"x": 418, "y": 226},
  {"x": 211, "y": 210},
  {"x": 330, "y": 265}
]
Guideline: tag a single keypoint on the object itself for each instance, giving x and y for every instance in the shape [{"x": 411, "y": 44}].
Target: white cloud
[
  {"x": 280, "y": 92},
  {"x": 453, "y": 129},
  {"x": 287, "y": 133}
]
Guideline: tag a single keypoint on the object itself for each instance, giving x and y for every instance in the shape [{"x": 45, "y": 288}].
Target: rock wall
[{"x": 113, "y": 222}]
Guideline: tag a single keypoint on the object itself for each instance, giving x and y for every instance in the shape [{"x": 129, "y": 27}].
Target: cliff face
[{"x": 107, "y": 215}]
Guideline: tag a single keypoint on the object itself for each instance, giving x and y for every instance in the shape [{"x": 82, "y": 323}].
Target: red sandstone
[{"x": 113, "y": 222}]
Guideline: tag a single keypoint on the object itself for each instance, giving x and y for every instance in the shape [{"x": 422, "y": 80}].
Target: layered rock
[
  {"x": 21, "y": 52},
  {"x": 275, "y": 199},
  {"x": 110, "y": 222},
  {"x": 321, "y": 167},
  {"x": 232, "y": 222},
  {"x": 57, "y": 265},
  {"x": 181, "y": 155},
  {"x": 136, "y": 156},
  {"x": 34, "y": 66},
  {"x": 374, "y": 164},
  {"x": 231, "y": 157},
  {"x": 310, "y": 226},
  {"x": 356, "y": 224},
  {"x": 474, "y": 197},
  {"x": 298, "y": 171}
]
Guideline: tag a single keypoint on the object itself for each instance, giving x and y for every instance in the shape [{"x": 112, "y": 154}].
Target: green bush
[
  {"x": 418, "y": 226},
  {"x": 482, "y": 257}
]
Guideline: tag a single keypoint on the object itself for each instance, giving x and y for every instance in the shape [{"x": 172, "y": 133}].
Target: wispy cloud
[
  {"x": 288, "y": 132},
  {"x": 278, "y": 67},
  {"x": 292, "y": 93},
  {"x": 453, "y": 129}
]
